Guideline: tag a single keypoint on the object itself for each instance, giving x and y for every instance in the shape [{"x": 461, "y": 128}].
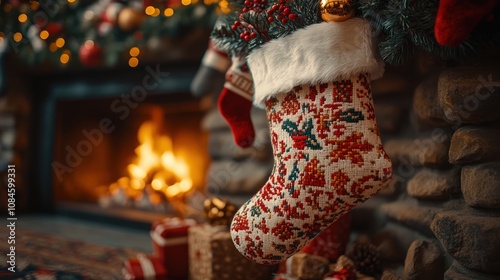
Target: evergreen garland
[
  {"x": 402, "y": 26},
  {"x": 262, "y": 21}
]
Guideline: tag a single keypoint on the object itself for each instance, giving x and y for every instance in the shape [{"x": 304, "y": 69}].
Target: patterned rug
[{"x": 48, "y": 257}]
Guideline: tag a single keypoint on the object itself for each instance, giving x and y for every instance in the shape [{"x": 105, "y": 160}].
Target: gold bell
[{"x": 336, "y": 10}]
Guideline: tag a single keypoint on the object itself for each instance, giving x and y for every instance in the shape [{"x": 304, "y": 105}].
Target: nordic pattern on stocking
[{"x": 328, "y": 159}]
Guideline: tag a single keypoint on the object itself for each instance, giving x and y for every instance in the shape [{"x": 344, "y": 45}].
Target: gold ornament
[
  {"x": 130, "y": 19},
  {"x": 336, "y": 10},
  {"x": 219, "y": 212}
]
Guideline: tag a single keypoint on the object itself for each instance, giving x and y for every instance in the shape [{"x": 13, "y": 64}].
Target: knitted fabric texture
[{"x": 328, "y": 158}]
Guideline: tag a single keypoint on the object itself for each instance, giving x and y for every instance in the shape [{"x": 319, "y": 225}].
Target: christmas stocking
[
  {"x": 456, "y": 19},
  {"x": 235, "y": 102},
  {"x": 328, "y": 156},
  {"x": 210, "y": 75}
]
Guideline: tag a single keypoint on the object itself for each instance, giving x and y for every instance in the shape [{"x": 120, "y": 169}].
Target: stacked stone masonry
[{"x": 445, "y": 218}]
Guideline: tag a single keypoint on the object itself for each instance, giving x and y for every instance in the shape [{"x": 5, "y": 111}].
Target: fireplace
[{"x": 119, "y": 143}]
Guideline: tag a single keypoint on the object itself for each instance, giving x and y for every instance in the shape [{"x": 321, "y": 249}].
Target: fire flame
[{"x": 156, "y": 171}]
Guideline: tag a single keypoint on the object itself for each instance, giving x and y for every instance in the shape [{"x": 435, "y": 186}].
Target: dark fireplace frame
[{"x": 49, "y": 89}]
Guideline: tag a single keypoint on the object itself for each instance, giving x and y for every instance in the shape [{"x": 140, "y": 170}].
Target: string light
[
  {"x": 168, "y": 12},
  {"x": 53, "y": 47},
  {"x": 17, "y": 37},
  {"x": 186, "y": 2},
  {"x": 224, "y": 6},
  {"x": 64, "y": 58},
  {"x": 134, "y": 51},
  {"x": 156, "y": 13},
  {"x": 34, "y": 5},
  {"x": 150, "y": 10},
  {"x": 44, "y": 34},
  {"x": 60, "y": 42},
  {"x": 22, "y": 18},
  {"x": 71, "y": 1},
  {"x": 134, "y": 61}
]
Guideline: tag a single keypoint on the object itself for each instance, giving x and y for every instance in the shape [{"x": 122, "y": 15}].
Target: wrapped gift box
[
  {"x": 332, "y": 241},
  {"x": 213, "y": 257},
  {"x": 170, "y": 244},
  {"x": 144, "y": 268},
  {"x": 306, "y": 266}
]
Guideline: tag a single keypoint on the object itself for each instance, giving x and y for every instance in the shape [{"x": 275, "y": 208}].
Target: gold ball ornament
[
  {"x": 130, "y": 19},
  {"x": 336, "y": 10}
]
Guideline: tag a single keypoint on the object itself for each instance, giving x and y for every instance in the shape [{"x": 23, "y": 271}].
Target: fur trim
[{"x": 319, "y": 53}]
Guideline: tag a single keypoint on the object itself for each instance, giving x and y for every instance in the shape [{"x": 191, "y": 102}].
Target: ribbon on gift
[
  {"x": 148, "y": 269},
  {"x": 167, "y": 224},
  {"x": 161, "y": 241}
]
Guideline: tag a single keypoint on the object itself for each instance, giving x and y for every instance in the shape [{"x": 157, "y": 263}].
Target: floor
[{"x": 88, "y": 231}]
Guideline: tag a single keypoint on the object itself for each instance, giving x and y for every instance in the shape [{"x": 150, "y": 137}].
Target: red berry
[
  {"x": 247, "y": 3},
  {"x": 270, "y": 19},
  {"x": 234, "y": 27},
  {"x": 282, "y": 1},
  {"x": 282, "y": 8},
  {"x": 275, "y": 7},
  {"x": 247, "y": 38},
  {"x": 253, "y": 35},
  {"x": 292, "y": 16},
  {"x": 256, "y": 1},
  {"x": 244, "y": 10},
  {"x": 242, "y": 36},
  {"x": 236, "y": 23},
  {"x": 284, "y": 20},
  {"x": 286, "y": 11}
]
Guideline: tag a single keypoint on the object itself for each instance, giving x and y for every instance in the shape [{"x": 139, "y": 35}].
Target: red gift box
[
  {"x": 144, "y": 268},
  {"x": 332, "y": 241},
  {"x": 171, "y": 246}
]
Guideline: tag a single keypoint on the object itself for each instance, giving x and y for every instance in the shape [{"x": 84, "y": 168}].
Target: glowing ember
[{"x": 154, "y": 177}]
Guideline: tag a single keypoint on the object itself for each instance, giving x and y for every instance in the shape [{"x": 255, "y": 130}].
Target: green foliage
[
  {"x": 403, "y": 27},
  {"x": 307, "y": 12}
]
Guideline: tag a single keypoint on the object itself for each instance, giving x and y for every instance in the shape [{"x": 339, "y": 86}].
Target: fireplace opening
[{"x": 124, "y": 160}]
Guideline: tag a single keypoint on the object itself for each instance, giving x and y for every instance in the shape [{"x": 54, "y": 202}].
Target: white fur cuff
[{"x": 319, "y": 53}]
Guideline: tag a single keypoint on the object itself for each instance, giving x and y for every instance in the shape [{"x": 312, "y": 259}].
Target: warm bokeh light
[
  {"x": 156, "y": 13},
  {"x": 22, "y": 18},
  {"x": 134, "y": 51},
  {"x": 17, "y": 37},
  {"x": 150, "y": 10},
  {"x": 224, "y": 6},
  {"x": 64, "y": 58},
  {"x": 53, "y": 47},
  {"x": 186, "y": 2},
  {"x": 34, "y": 5},
  {"x": 168, "y": 12},
  {"x": 133, "y": 62},
  {"x": 60, "y": 42},
  {"x": 44, "y": 34}
]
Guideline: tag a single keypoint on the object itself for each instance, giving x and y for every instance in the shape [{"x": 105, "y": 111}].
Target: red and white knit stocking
[
  {"x": 235, "y": 102},
  {"x": 328, "y": 155}
]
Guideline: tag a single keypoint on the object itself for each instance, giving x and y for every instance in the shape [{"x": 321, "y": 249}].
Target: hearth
[{"x": 119, "y": 144}]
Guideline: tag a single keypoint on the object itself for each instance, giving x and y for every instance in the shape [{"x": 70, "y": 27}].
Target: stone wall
[{"x": 440, "y": 218}]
